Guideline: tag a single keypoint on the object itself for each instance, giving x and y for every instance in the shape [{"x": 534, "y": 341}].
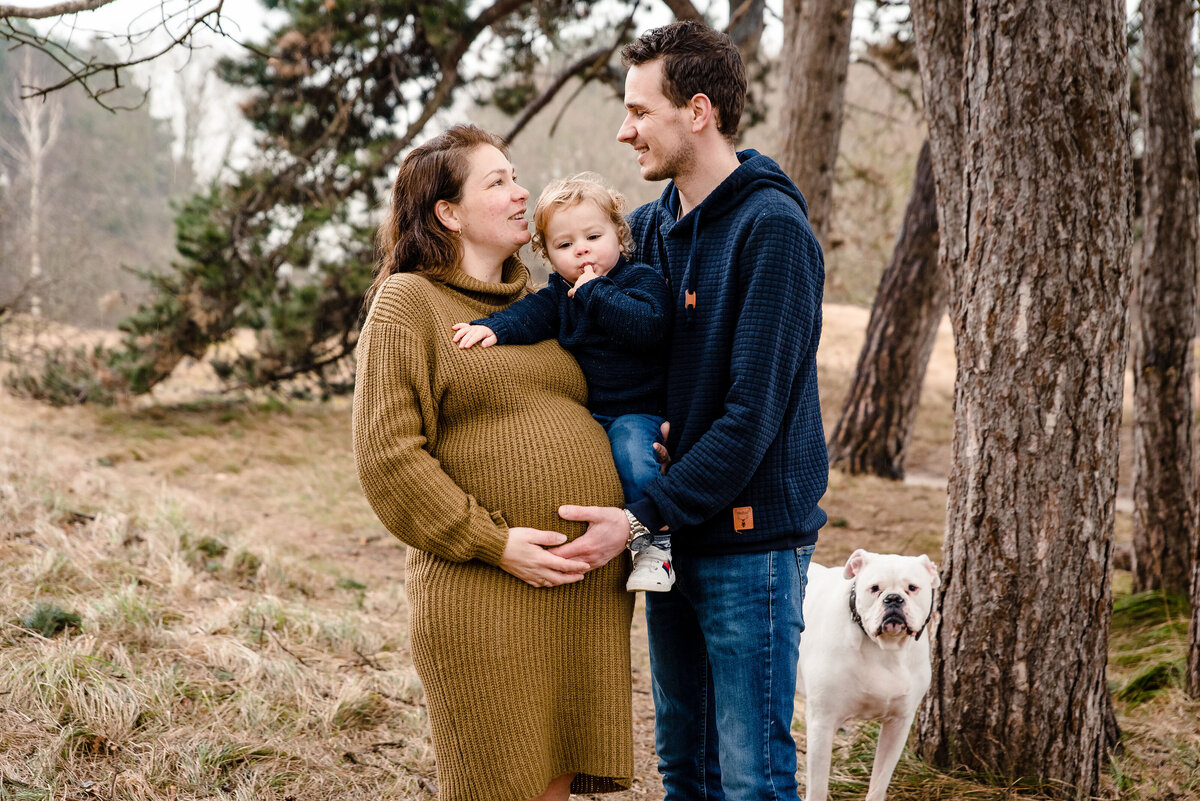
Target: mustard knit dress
[{"x": 453, "y": 446}]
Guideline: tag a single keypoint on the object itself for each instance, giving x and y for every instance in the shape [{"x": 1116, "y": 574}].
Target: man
[{"x": 730, "y": 233}]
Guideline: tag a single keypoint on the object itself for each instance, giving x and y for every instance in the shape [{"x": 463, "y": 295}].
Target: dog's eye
[
  {"x": 912, "y": 587},
  {"x": 875, "y": 589}
]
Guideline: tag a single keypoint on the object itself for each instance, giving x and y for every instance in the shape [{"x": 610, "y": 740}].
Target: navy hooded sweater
[
  {"x": 613, "y": 326},
  {"x": 746, "y": 437}
]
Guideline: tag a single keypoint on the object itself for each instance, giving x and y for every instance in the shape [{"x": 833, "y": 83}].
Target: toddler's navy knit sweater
[{"x": 613, "y": 326}]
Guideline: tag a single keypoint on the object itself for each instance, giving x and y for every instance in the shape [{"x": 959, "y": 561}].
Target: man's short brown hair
[{"x": 697, "y": 60}]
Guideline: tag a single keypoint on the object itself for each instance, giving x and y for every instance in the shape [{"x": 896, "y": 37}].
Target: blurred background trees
[
  {"x": 283, "y": 247},
  {"x": 102, "y": 185}
]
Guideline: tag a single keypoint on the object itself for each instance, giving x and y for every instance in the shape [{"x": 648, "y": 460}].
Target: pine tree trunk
[
  {"x": 1193, "y": 646},
  {"x": 745, "y": 27},
  {"x": 938, "y": 29},
  {"x": 746, "y": 23},
  {"x": 1164, "y": 486},
  {"x": 875, "y": 427},
  {"x": 1039, "y": 312},
  {"x": 816, "y": 56}
]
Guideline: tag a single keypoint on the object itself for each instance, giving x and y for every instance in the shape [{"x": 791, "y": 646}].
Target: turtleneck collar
[{"x": 498, "y": 294}]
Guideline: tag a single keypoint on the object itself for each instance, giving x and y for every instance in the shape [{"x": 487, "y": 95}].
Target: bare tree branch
[
  {"x": 590, "y": 65},
  {"x": 587, "y": 64},
  {"x": 209, "y": 19},
  {"x": 684, "y": 10},
  {"x": 738, "y": 12},
  {"x": 180, "y": 21},
  {"x": 56, "y": 10},
  {"x": 889, "y": 77}
]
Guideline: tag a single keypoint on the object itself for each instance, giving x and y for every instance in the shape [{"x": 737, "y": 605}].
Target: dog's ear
[
  {"x": 854, "y": 564},
  {"x": 935, "y": 579}
]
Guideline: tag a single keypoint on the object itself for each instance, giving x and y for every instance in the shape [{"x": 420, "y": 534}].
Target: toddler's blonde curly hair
[{"x": 567, "y": 192}]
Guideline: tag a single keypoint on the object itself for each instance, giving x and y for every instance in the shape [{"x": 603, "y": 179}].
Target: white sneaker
[{"x": 652, "y": 571}]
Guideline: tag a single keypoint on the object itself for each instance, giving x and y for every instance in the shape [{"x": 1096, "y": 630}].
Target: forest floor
[{"x": 223, "y": 616}]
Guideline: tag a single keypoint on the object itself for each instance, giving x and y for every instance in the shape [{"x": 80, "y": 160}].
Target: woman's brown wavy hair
[{"x": 411, "y": 238}]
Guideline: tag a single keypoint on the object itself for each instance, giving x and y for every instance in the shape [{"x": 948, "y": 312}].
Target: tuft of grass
[
  {"x": 48, "y": 619},
  {"x": 211, "y": 547},
  {"x": 914, "y": 780},
  {"x": 246, "y": 566},
  {"x": 1148, "y": 610},
  {"x": 1149, "y": 631},
  {"x": 357, "y": 708},
  {"x": 62, "y": 375},
  {"x": 1151, "y": 681}
]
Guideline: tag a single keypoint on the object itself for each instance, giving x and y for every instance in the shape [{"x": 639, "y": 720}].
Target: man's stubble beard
[{"x": 677, "y": 164}]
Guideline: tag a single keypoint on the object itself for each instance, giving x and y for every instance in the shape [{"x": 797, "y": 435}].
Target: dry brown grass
[
  {"x": 222, "y": 647},
  {"x": 243, "y": 625}
]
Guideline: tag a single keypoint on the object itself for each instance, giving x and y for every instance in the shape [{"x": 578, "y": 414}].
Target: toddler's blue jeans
[{"x": 632, "y": 437}]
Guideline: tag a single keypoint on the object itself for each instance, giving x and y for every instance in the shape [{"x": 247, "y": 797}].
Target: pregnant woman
[{"x": 465, "y": 456}]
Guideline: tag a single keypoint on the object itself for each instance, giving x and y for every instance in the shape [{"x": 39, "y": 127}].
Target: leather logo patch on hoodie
[{"x": 743, "y": 518}]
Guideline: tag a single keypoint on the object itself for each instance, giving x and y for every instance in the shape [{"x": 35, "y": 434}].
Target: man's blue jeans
[{"x": 723, "y": 650}]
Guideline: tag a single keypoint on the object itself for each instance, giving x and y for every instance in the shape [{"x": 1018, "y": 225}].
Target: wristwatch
[{"x": 636, "y": 528}]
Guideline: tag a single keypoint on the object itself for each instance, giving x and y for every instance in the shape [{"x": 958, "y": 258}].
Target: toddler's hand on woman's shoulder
[{"x": 467, "y": 335}]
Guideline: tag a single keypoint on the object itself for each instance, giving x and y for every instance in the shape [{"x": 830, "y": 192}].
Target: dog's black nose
[{"x": 893, "y": 600}]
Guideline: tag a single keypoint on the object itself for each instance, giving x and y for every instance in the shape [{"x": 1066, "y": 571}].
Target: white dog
[{"x": 864, "y": 654}]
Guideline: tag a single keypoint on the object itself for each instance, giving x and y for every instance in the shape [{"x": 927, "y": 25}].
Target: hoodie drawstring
[{"x": 689, "y": 298}]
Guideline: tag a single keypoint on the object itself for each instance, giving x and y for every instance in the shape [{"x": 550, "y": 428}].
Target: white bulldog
[{"x": 864, "y": 654}]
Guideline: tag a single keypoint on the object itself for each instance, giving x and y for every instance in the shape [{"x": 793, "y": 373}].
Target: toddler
[{"x": 612, "y": 315}]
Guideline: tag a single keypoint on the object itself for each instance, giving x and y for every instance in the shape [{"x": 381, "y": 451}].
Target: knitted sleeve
[
  {"x": 783, "y": 273},
  {"x": 634, "y": 312},
  {"x": 413, "y": 497},
  {"x": 532, "y": 319}
]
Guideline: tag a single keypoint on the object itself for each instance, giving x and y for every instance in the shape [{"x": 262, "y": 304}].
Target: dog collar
[
  {"x": 857, "y": 618},
  {"x": 854, "y": 615},
  {"x": 928, "y": 617}
]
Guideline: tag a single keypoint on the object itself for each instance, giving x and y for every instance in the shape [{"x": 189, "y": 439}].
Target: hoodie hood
[{"x": 755, "y": 173}]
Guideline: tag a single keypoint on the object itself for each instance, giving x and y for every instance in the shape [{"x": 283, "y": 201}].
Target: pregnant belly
[{"x": 526, "y": 478}]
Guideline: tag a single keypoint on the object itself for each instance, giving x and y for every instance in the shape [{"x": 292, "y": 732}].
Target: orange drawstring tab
[{"x": 689, "y": 299}]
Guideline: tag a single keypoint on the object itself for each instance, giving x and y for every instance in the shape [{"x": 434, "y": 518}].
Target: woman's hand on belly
[
  {"x": 525, "y": 556},
  {"x": 606, "y": 535}
]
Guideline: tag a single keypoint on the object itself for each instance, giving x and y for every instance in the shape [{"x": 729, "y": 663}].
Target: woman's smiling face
[{"x": 491, "y": 213}]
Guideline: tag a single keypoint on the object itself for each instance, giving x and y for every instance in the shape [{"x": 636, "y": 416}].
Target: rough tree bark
[
  {"x": 1039, "y": 311},
  {"x": 816, "y": 56},
  {"x": 1164, "y": 486},
  {"x": 875, "y": 427}
]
